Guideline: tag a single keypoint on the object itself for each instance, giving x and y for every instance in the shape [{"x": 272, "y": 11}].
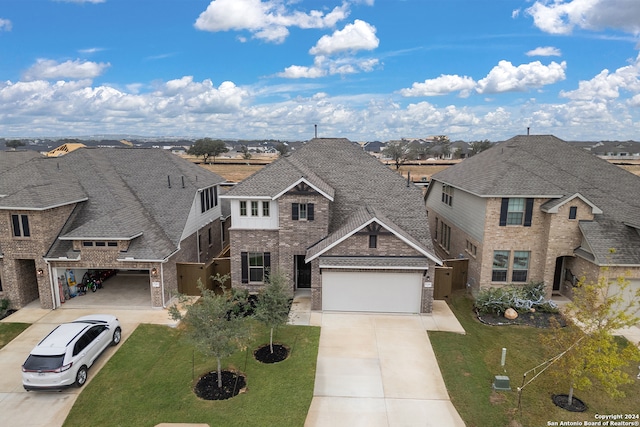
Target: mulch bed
[
  {"x": 537, "y": 319},
  {"x": 233, "y": 383},
  {"x": 263, "y": 354},
  {"x": 562, "y": 401}
]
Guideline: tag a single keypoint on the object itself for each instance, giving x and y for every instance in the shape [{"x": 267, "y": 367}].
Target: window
[
  {"x": 500, "y": 266},
  {"x": 302, "y": 211},
  {"x": 255, "y": 266},
  {"x": 20, "y": 225},
  {"x": 472, "y": 249},
  {"x": 209, "y": 236},
  {"x": 87, "y": 244},
  {"x": 254, "y": 208},
  {"x": 515, "y": 214},
  {"x": 447, "y": 194},
  {"x": 516, "y": 211},
  {"x": 520, "y": 266},
  {"x": 112, "y": 244},
  {"x": 373, "y": 241},
  {"x": 573, "y": 212},
  {"x": 101, "y": 244},
  {"x": 243, "y": 208},
  {"x": 208, "y": 198},
  {"x": 265, "y": 208},
  {"x": 445, "y": 236}
]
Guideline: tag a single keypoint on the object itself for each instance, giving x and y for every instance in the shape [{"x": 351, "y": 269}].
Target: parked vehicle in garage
[{"x": 63, "y": 357}]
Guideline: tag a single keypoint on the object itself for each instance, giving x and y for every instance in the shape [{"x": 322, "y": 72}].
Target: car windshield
[{"x": 43, "y": 363}]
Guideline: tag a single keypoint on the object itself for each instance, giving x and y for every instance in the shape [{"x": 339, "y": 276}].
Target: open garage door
[{"x": 371, "y": 291}]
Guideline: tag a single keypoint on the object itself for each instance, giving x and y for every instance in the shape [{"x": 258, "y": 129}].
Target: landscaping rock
[{"x": 510, "y": 314}]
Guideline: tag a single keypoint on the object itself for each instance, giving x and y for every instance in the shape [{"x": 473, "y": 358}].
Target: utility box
[{"x": 501, "y": 383}]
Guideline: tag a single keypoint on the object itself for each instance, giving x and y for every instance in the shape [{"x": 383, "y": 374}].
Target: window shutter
[
  {"x": 294, "y": 211},
  {"x": 309, "y": 211},
  {"x": 244, "y": 266},
  {"x": 528, "y": 212},
  {"x": 504, "y": 208},
  {"x": 267, "y": 264}
]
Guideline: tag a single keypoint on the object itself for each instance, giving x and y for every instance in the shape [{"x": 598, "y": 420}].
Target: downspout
[{"x": 164, "y": 305}]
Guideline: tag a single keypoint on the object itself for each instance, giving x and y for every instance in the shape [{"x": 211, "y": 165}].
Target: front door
[
  {"x": 303, "y": 272},
  {"x": 558, "y": 274}
]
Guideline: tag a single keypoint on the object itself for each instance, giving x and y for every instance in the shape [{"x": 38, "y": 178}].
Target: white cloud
[
  {"x": 267, "y": 20},
  {"x": 505, "y": 77},
  {"x": 5, "y": 25},
  {"x": 562, "y": 16},
  {"x": 442, "y": 85},
  {"x": 353, "y": 37},
  {"x": 606, "y": 85},
  {"x": 299, "y": 71},
  {"x": 544, "y": 51},
  {"x": 49, "y": 69}
]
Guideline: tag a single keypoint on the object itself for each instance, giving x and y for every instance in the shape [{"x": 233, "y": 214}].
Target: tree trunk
[
  {"x": 271, "y": 341},
  {"x": 570, "y": 400},
  {"x": 219, "y": 374}
]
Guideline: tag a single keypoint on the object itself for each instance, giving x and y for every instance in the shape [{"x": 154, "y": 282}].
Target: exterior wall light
[
  {"x": 154, "y": 271},
  {"x": 40, "y": 272}
]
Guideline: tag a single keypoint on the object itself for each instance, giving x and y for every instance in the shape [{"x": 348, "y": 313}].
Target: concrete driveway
[
  {"x": 379, "y": 370},
  {"x": 50, "y": 409}
]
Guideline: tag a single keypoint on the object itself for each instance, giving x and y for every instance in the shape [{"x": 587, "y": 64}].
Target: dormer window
[{"x": 573, "y": 212}]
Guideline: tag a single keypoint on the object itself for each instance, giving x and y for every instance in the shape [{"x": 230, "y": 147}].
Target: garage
[
  {"x": 629, "y": 294},
  {"x": 113, "y": 288},
  {"x": 374, "y": 291}
]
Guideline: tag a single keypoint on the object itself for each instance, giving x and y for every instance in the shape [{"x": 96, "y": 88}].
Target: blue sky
[{"x": 360, "y": 69}]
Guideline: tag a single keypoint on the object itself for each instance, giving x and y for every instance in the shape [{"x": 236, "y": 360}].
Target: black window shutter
[
  {"x": 309, "y": 211},
  {"x": 504, "y": 208},
  {"x": 294, "y": 211},
  {"x": 528, "y": 212},
  {"x": 244, "y": 266},
  {"x": 267, "y": 264}
]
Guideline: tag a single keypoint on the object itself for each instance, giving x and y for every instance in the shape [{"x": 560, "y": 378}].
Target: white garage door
[
  {"x": 371, "y": 291},
  {"x": 629, "y": 294}
]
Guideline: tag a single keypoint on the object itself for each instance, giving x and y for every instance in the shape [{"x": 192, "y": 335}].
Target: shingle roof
[
  {"x": 417, "y": 263},
  {"x": 545, "y": 166},
  {"x": 357, "y": 179},
  {"x": 126, "y": 191}
]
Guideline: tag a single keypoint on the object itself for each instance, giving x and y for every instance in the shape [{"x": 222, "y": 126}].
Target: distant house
[
  {"x": 336, "y": 221},
  {"x": 534, "y": 208},
  {"x": 143, "y": 211}
]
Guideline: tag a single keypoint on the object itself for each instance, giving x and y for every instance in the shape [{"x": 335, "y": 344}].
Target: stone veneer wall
[{"x": 20, "y": 284}]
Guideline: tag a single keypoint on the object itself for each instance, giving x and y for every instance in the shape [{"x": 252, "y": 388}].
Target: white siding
[
  {"x": 254, "y": 222},
  {"x": 197, "y": 219},
  {"x": 467, "y": 211}
]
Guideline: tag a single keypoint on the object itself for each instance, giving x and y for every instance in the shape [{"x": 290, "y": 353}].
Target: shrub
[{"x": 519, "y": 297}]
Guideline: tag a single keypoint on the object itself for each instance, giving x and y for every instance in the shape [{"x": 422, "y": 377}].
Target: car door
[{"x": 99, "y": 341}]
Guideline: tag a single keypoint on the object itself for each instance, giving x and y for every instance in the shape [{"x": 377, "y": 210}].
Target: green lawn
[
  {"x": 469, "y": 363},
  {"x": 150, "y": 380},
  {"x": 9, "y": 331}
]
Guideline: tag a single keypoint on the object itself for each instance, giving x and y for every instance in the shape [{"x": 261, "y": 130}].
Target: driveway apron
[
  {"x": 50, "y": 408},
  {"x": 378, "y": 370}
]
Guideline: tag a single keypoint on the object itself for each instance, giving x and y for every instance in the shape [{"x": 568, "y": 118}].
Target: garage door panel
[{"x": 371, "y": 291}]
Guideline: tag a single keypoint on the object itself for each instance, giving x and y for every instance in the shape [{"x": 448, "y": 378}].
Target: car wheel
[
  {"x": 117, "y": 336},
  {"x": 81, "y": 376}
]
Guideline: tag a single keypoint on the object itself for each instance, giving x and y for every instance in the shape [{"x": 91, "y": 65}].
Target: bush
[{"x": 519, "y": 297}]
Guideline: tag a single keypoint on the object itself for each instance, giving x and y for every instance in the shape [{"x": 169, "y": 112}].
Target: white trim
[
  {"x": 224, "y": 196},
  {"x": 371, "y": 267},
  {"x": 44, "y": 208},
  {"x": 302, "y": 179},
  {"x": 93, "y": 239},
  {"x": 374, "y": 219},
  {"x": 594, "y": 209}
]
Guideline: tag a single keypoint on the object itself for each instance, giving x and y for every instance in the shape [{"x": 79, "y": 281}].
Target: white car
[{"x": 63, "y": 357}]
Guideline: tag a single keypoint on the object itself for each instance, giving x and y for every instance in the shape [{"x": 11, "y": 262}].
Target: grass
[
  {"x": 469, "y": 363},
  {"x": 9, "y": 331},
  {"x": 150, "y": 381}
]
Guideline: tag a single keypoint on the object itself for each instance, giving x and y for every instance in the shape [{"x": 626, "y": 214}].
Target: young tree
[
  {"x": 590, "y": 352},
  {"x": 398, "y": 151},
  {"x": 246, "y": 155},
  {"x": 207, "y": 147},
  {"x": 272, "y": 307},
  {"x": 211, "y": 327},
  {"x": 479, "y": 146}
]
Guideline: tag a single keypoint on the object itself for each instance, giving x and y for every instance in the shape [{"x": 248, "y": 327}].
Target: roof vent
[
  {"x": 169, "y": 180},
  {"x": 182, "y": 181}
]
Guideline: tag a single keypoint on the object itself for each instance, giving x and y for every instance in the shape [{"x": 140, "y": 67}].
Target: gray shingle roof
[
  {"x": 127, "y": 193},
  {"x": 357, "y": 179},
  {"x": 545, "y": 166},
  {"x": 418, "y": 263}
]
